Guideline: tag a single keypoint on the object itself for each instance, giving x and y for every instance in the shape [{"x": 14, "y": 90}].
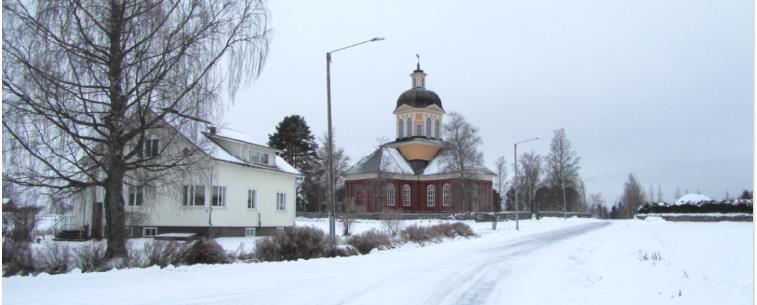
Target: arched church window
[
  {"x": 428, "y": 127},
  {"x": 406, "y": 195},
  {"x": 430, "y": 196},
  {"x": 437, "y": 129},
  {"x": 390, "y": 195},
  {"x": 400, "y": 129},
  {"x": 409, "y": 127},
  {"x": 446, "y": 200}
]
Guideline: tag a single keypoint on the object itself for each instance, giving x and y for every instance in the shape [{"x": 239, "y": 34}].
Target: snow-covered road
[{"x": 552, "y": 261}]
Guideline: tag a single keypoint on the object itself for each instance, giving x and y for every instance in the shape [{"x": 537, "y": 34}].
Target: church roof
[
  {"x": 385, "y": 159},
  {"x": 419, "y": 97},
  {"x": 389, "y": 160}
]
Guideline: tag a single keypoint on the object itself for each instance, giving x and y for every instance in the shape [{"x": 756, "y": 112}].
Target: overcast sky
[{"x": 658, "y": 88}]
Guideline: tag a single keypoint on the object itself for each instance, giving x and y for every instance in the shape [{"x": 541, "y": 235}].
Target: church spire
[{"x": 418, "y": 76}]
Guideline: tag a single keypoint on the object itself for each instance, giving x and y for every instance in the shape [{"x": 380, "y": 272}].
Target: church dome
[{"x": 419, "y": 97}]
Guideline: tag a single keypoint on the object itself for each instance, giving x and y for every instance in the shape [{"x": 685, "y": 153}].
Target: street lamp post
[
  {"x": 330, "y": 148},
  {"x": 515, "y": 183}
]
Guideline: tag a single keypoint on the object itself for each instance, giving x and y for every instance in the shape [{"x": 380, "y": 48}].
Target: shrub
[
  {"x": 54, "y": 258},
  {"x": 462, "y": 229},
  {"x": 90, "y": 257},
  {"x": 204, "y": 251},
  {"x": 391, "y": 223},
  {"x": 346, "y": 250},
  {"x": 420, "y": 235},
  {"x": 299, "y": 242},
  {"x": 161, "y": 253},
  {"x": 443, "y": 229},
  {"x": 17, "y": 258},
  {"x": 347, "y": 221},
  {"x": 369, "y": 240},
  {"x": 417, "y": 234}
]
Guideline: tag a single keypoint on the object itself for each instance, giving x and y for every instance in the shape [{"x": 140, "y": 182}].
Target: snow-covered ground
[{"x": 551, "y": 261}]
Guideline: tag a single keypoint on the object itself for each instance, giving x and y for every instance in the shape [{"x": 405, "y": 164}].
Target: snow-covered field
[{"x": 551, "y": 261}]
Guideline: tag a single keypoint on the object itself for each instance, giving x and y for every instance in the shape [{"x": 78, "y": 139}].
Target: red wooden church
[{"x": 411, "y": 174}]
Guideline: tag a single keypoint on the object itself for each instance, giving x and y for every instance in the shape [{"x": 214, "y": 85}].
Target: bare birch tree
[
  {"x": 633, "y": 196},
  {"x": 84, "y": 83},
  {"x": 531, "y": 169},
  {"x": 501, "y": 169},
  {"x": 463, "y": 141},
  {"x": 562, "y": 164}
]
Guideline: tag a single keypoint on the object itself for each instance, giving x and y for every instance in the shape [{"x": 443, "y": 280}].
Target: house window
[
  {"x": 437, "y": 129},
  {"x": 218, "y": 198},
  {"x": 430, "y": 196},
  {"x": 409, "y": 127},
  {"x": 249, "y": 232},
  {"x": 151, "y": 147},
  {"x": 193, "y": 195},
  {"x": 281, "y": 201},
  {"x": 428, "y": 127},
  {"x": 136, "y": 195},
  {"x": 258, "y": 157},
  {"x": 419, "y": 129},
  {"x": 390, "y": 194},
  {"x": 446, "y": 200},
  {"x": 400, "y": 129},
  {"x": 251, "y": 194},
  {"x": 149, "y": 231},
  {"x": 406, "y": 195}
]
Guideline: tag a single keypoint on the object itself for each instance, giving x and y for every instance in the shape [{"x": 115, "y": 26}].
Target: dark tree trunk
[
  {"x": 115, "y": 215},
  {"x": 115, "y": 169}
]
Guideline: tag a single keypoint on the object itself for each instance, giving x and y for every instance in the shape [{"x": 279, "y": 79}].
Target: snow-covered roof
[
  {"x": 389, "y": 160},
  {"x": 283, "y": 166},
  {"x": 438, "y": 165},
  {"x": 204, "y": 143},
  {"x": 237, "y": 135},
  {"x": 217, "y": 152},
  {"x": 385, "y": 159},
  {"x": 692, "y": 199}
]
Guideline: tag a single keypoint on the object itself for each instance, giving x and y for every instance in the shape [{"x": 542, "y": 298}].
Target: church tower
[
  {"x": 418, "y": 119},
  {"x": 419, "y": 111}
]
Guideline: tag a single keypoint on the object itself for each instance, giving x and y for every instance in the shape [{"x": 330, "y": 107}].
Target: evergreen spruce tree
[{"x": 298, "y": 146}]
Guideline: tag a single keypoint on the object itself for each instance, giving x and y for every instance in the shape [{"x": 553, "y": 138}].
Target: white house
[{"x": 235, "y": 187}]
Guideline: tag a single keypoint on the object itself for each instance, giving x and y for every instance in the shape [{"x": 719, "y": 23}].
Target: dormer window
[
  {"x": 149, "y": 148},
  {"x": 258, "y": 157}
]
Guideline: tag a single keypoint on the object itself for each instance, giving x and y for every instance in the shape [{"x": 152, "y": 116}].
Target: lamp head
[{"x": 377, "y": 38}]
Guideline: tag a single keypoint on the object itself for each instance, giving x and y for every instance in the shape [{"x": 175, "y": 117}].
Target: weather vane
[{"x": 418, "y": 56}]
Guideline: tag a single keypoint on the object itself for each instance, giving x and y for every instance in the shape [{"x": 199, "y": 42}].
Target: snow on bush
[
  {"x": 297, "y": 243},
  {"x": 371, "y": 239},
  {"x": 421, "y": 234}
]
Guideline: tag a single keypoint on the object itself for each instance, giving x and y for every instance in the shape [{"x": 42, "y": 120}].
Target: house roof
[{"x": 205, "y": 143}]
